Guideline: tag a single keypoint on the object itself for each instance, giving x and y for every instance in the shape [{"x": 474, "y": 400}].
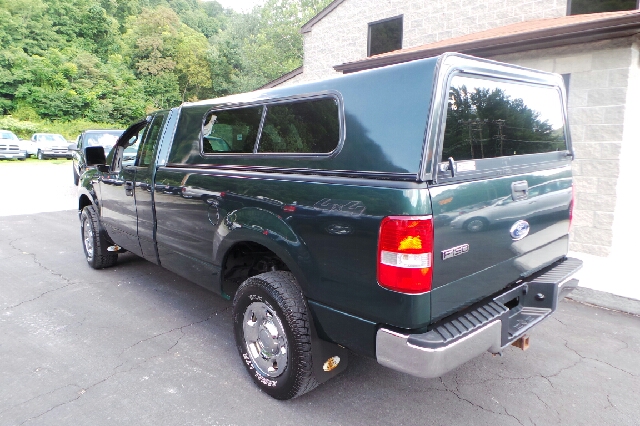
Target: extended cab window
[
  {"x": 231, "y": 131},
  {"x": 125, "y": 152},
  {"x": 145, "y": 154},
  {"x": 491, "y": 118},
  {"x": 309, "y": 126}
]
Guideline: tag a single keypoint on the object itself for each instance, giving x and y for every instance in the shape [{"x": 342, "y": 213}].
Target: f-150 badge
[{"x": 454, "y": 251}]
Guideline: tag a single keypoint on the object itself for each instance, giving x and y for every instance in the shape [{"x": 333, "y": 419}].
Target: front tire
[
  {"x": 94, "y": 242},
  {"x": 40, "y": 156},
  {"x": 273, "y": 335},
  {"x": 76, "y": 178}
]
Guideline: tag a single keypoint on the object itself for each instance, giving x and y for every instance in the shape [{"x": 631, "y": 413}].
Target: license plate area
[{"x": 528, "y": 304}]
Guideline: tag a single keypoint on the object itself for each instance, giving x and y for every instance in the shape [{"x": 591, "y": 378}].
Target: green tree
[{"x": 114, "y": 60}]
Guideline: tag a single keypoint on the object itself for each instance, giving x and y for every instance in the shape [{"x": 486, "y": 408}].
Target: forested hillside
[{"x": 111, "y": 61}]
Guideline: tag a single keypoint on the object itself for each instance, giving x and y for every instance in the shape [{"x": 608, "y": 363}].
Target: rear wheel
[
  {"x": 94, "y": 242},
  {"x": 273, "y": 336}
]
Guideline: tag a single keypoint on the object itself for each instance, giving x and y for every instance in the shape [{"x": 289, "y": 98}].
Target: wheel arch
[
  {"x": 83, "y": 201},
  {"x": 286, "y": 253}
]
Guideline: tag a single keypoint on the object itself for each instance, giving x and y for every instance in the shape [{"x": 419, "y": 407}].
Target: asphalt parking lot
[{"x": 136, "y": 344}]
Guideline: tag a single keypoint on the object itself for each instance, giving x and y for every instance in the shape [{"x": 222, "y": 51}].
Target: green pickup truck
[{"x": 418, "y": 214}]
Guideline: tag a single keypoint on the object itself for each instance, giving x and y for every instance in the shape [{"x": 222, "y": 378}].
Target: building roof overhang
[
  {"x": 285, "y": 77},
  {"x": 522, "y": 36},
  {"x": 306, "y": 28}
]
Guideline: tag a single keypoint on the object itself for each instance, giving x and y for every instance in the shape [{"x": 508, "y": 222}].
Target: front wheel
[
  {"x": 273, "y": 336},
  {"x": 477, "y": 224},
  {"x": 40, "y": 156},
  {"x": 94, "y": 242}
]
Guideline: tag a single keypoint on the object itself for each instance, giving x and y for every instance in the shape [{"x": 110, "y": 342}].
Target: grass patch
[{"x": 36, "y": 161}]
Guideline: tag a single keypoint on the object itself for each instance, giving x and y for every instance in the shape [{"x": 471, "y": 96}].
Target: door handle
[
  {"x": 128, "y": 188},
  {"x": 519, "y": 190}
]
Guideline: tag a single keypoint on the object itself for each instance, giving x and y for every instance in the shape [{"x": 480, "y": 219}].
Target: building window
[
  {"x": 578, "y": 7},
  {"x": 567, "y": 81},
  {"x": 385, "y": 36}
]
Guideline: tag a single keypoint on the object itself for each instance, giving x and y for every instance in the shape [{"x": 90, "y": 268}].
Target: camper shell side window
[{"x": 307, "y": 126}]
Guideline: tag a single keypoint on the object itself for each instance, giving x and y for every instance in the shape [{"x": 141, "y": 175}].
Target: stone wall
[
  {"x": 341, "y": 36},
  {"x": 599, "y": 106}
]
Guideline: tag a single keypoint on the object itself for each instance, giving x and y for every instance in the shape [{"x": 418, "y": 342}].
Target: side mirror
[
  {"x": 94, "y": 155},
  {"x": 103, "y": 168},
  {"x": 72, "y": 147}
]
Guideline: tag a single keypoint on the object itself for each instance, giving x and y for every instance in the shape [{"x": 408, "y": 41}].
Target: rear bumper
[{"x": 486, "y": 327}]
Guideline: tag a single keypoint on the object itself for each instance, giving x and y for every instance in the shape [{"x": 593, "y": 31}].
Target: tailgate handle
[{"x": 519, "y": 190}]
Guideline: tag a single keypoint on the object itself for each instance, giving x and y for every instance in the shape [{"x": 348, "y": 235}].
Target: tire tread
[
  {"x": 290, "y": 299},
  {"x": 98, "y": 261}
]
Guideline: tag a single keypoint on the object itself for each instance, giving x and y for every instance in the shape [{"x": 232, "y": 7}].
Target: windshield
[
  {"x": 8, "y": 135},
  {"x": 105, "y": 139},
  {"x": 52, "y": 138}
]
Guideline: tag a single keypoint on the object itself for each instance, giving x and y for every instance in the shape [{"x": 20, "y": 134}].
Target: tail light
[{"x": 405, "y": 253}]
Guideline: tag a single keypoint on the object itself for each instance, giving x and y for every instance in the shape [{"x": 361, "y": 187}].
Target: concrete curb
[{"x": 605, "y": 300}]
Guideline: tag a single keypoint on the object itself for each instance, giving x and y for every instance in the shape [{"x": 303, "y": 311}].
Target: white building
[{"x": 598, "y": 54}]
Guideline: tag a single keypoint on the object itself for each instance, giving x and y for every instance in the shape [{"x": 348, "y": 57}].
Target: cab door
[
  {"x": 143, "y": 186},
  {"x": 118, "y": 208}
]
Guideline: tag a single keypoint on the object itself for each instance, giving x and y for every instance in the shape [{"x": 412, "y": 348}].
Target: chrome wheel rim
[
  {"x": 475, "y": 225},
  {"x": 265, "y": 339},
  {"x": 87, "y": 234}
]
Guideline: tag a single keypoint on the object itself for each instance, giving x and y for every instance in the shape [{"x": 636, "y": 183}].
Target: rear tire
[
  {"x": 273, "y": 334},
  {"x": 94, "y": 241}
]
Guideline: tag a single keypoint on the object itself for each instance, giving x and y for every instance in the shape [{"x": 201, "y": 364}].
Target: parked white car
[
  {"x": 49, "y": 145},
  {"x": 549, "y": 197},
  {"x": 10, "y": 146}
]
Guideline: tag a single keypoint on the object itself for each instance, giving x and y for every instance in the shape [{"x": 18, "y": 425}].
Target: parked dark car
[
  {"x": 89, "y": 138},
  {"x": 328, "y": 212}
]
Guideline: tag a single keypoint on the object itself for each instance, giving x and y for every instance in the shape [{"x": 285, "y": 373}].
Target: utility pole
[
  {"x": 500, "y": 137},
  {"x": 475, "y": 126}
]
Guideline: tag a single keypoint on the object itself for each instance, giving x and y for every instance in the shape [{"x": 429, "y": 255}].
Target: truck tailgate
[{"x": 478, "y": 226}]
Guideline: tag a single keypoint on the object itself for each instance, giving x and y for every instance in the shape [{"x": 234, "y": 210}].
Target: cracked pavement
[{"x": 135, "y": 344}]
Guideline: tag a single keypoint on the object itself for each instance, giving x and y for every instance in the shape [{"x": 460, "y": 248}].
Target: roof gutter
[{"x": 537, "y": 39}]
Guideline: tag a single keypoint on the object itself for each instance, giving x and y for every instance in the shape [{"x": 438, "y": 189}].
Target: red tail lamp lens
[{"x": 405, "y": 253}]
